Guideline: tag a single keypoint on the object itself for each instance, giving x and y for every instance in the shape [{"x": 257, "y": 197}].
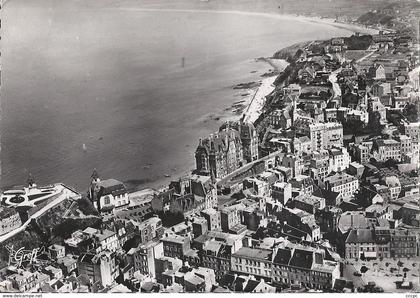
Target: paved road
[
  {"x": 348, "y": 274},
  {"x": 366, "y": 56},
  {"x": 333, "y": 79}
]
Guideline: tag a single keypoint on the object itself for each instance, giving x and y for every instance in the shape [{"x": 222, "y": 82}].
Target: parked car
[
  {"x": 357, "y": 274},
  {"x": 408, "y": 285}
]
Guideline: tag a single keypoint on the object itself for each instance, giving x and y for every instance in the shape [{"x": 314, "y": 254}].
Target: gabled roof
[
  {"x": 217, "y": 143},
  {"x": 46, "y": 288},
  {"x": 83, "y": 279},
  {"x": 111, "y": 186},
  {"x": 283, "y": 256},
  {"x": 360, "y": 236},
  {"x": 251, "y": 285},
  {"x": 227, "y": 280},
  {"x": 302, "y": 258},
  {"x": 238, "y": 284}
]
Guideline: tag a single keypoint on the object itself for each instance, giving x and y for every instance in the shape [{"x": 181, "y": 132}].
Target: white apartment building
[
  {"x": 413, "y": 131},
  {"x": 394, "y": 186},
  {"x": 339, "y": 159},
  {"x": 387, "y": 149},
  {"x": 252, "y": 261},
  {"x": 326, "y": 135},
  {"x": 342, "y": 183}
]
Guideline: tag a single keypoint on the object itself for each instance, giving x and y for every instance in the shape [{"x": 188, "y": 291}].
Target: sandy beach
[
  {"x": 258, "y": 99},
  {"x": 317, "y": 20},
  {"x": 143, "y": 50},
  {"x": 251, "y": 96}
]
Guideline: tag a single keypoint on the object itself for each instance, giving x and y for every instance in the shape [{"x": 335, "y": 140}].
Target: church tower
[{"x": 94, "y": 186}]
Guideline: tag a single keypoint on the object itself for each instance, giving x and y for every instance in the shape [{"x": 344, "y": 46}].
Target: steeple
[
  {"x": 93, "y": 188},
  {"x": 94, "y": 175}
]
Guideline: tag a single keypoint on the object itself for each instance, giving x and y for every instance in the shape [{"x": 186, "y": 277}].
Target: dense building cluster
[{"x": 327, "y": 174}]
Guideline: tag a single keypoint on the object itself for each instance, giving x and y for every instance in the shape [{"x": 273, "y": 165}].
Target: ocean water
[{"x": 137, "y": 87}]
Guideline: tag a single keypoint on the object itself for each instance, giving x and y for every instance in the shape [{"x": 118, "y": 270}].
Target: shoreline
[
  {"x": 300, "y": 18},
  {"x": 251, "y": 103},
  {"x": 247, "y": 100},
  {"x": 252, "y": 94}
]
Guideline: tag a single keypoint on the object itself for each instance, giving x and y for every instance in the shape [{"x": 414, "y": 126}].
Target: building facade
[
  {"x": 220, "y": 154},
  {"x": 342, "y": 183},
  {"x": 253, "y": 261},
  {"x": 326, "y": 135}
]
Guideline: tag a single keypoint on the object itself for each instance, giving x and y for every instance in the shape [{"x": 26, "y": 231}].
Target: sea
[{"x": 125, "y": 90}]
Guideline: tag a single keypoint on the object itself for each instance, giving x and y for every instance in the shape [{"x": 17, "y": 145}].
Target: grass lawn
[{"x": 380, "y": 272}]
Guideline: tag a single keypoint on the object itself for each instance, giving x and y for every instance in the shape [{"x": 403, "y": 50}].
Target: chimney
[{"x": 200, "y": 142}]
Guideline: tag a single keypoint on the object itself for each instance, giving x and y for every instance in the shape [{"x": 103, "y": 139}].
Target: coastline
[
  {"x": 256, "y": 105},
  {"x": 159, "y": 179},
  {"x": 252, "y": 94},
  {"x": 318, "y": 20},
  {"x": 251, "y": 104}
]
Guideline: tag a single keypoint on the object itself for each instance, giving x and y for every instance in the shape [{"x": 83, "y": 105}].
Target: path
[
  {"x": 333, "y": 79},
  {"x": 366, "y": 56}
]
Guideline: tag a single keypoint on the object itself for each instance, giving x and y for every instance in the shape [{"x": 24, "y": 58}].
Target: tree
[
  {"x": 411, "y": 112},
  {"x": 375, "y": 122},
  {"x": 405, "y": 270},
  {"x": 355, "y": 42},
  {"x": 364, "y": 269},
  {"x": 399, "y": 264},
  {"x": 170, "y": 219}
]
